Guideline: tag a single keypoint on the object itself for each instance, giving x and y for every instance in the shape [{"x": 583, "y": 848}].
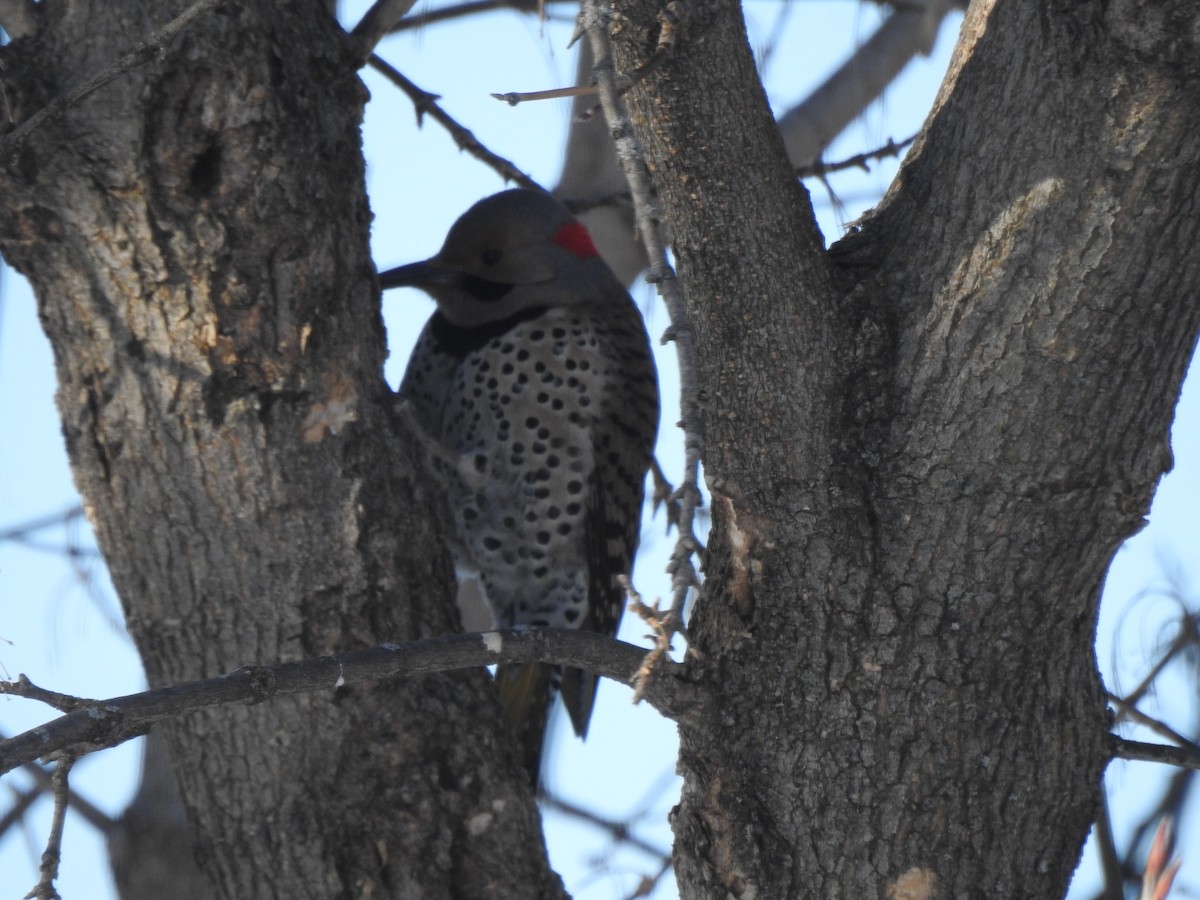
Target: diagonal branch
[
  {"x": 426, "y": 104},
  {"x": 107, "y": 723}
]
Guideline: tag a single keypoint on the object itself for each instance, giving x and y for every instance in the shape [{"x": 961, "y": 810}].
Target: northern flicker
[{"x": 535, "y": 379}]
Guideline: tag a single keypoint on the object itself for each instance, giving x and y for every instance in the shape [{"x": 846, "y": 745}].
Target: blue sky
[{"x": 59, "y": 619}]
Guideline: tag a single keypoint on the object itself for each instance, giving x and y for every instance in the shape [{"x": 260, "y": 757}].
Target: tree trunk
[
  {"x": 196, "y": 232},
  {"x": 924, "y": 447}
]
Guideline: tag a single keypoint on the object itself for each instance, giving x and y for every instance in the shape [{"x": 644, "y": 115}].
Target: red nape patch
[{"x": 574, "y": 237}]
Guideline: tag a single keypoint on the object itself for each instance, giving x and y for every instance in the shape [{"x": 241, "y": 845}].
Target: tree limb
[
  {"x": 1184, "y": 757},
  {"x": 811, "y": 126},
  {"x": 107, "y": 723}
]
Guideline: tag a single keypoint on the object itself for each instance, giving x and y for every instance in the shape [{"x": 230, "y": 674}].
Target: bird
[{"x": 535, "y": 383}]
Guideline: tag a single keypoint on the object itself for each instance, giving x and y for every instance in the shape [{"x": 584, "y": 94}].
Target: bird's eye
[{"x": 491, "y": 257}]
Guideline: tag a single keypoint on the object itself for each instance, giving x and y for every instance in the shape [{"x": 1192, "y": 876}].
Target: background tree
[{"x": 912, "y": 503}]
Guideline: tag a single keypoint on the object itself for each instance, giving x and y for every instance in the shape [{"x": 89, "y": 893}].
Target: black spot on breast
[{"x": 459, "y": 342}]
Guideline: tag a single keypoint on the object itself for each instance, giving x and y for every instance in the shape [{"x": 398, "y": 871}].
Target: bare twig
[
  {"x": 426, "y": 103},
  {"x": 141, "y": 54},
  {"x": 668, "y": 20},
  {"x": 22, "y": 800},
  {"x": 96, "y": 817},
  {"x": 620, "y": 832},
  {"x": 1126, "y": 709},
  {"x": 107, "y": 723},
  {"x": 512, "y": 98},
  {"x": 820, "y": 169},
  {"x": 661, "y": 635},
  {"x": 22, "y": 533},
  {"x": 459, "y": 10},
  {"x": 1183, "y": 757},
  {"x": 649, "y": 882},
  {"x": 26, "y": 689},
  {"x": 663, "y": 493},
  {"x": 1187, "y": 637},
  {"x": 59, "y": 787},
  {"x": 594, "y": 19}
]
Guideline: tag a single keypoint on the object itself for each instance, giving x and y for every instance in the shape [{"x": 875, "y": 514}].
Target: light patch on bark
[
  {"x": 742, "y": 535},
  {"x": 493, "y": 641},
  {"x": 330, "y": 417},
  {"x": 995, "y": 245},
  {"x": 479, "y": 823},
  {"x": 915, "y": 884}
]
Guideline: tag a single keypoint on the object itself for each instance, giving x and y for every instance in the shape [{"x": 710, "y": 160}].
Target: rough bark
[
  {"x": 924, "y": 447},
  {"x": 196, "y": 233}
]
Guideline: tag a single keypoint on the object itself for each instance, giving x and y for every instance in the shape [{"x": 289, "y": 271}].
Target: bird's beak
[{"x": 419, "y": 274}]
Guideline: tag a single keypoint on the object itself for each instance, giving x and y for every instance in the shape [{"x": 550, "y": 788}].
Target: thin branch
[
  {"x": 620, "y": 832},
  {"x": 111, "y": 722},
  {"x": 426, "y": 103},
  {"x": 820, "y": 169},
  {"x": 594, "y": 19},
  {"x": 649, "y": 882},
  {"x": 27, "y": 690},
  {"x": 668, "y": 21},
  {"x": 141, "y": 54},
  {"x": 1186, "y": 638},
  {"x": 59, "y": 787},
  {"x": 380, "y": 19},
  {"x": 21, "y": 803},
  {"x": 1125, "y": 709},
  {"x": 24, "y": 529},
  {"x": 1110, "y": 861},
  {"x": 92, "y": 814},
  {"x": 512, "y": 98},
  {"x": 22, "y": 533},
  {"x": 661, "y": 636},
  {"x": 459, "y": 10},
  {"x": 1183, "y": 757},
  {"x": 663, "y": 492}
]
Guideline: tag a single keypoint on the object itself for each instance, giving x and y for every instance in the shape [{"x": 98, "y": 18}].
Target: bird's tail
[
  {"x": 579, "y": 695},
  {"x": 526, "y": 692}
]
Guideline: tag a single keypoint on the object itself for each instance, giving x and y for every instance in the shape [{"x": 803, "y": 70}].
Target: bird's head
[{"x": 510, "y": 252}]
